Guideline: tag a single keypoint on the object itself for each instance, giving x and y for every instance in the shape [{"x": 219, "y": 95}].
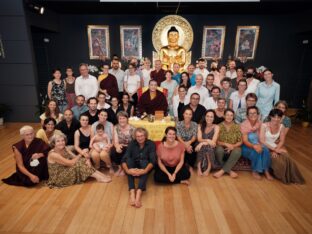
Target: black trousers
[
  {"x": 116, "y": 157},
  {"x": 161, "y": 177}
]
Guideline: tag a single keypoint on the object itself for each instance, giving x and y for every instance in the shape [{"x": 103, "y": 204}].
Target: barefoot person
[
  {"x": 123, "y": 135},
  {"x": 137, "y": 162},
  {"x": 228, "y": 150},
  {"x": 207, "y": 136},
  {"x": 258, "y": 154},
  {"x": 30, "y": 155},
  {"x": 272, "y": 135},
  {"x": 170, "y": 164},
  {"x": 67, "y": 169},
  {"x": 100, "y": 146}
]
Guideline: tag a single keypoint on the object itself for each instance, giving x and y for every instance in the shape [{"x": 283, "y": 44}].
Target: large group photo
[{"x": 177, "y": 125}]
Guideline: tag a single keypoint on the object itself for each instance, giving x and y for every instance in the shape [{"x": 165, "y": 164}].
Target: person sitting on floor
[
  {"x": 228, "y": 150},
  {"x": 257, "y": 153},
  {"x": 170, "y": 161},
  {"x": 47, "y": 130},
  {"x": 123, "y": 135},
  {"x": 272, "y": 135},
  {"x": 137, "y": 162},
  {"x": 100, "y": 145},
  {"x": 207, "y": 135},
  {"x": 67, "y": 169},
  {"x": 31, "y": 160}
]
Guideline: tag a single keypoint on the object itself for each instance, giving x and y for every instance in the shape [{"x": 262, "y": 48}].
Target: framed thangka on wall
[
  {"x": 131, "y": 41},
  {"x": 98, "y": 40},
  {"x": 213, "y": 42},
  {"x": 246, "y": 42}
]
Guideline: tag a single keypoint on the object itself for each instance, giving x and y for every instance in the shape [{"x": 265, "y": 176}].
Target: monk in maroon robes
[
  {"x": 152, "y": 100},
  {"x": 158, "y": 74},
  {"x": 108, "y": 82},
  {"x": 31, "y": 160}
]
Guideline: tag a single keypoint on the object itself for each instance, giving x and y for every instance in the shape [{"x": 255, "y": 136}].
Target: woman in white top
[
  {"x": 272, "y": 135},
  {"x": 101, "y": 97},
  {"x": 252, "y": 82},
  {"x": 237, "y": 98},
  {"x": 146, "y": 71},
  {"x": 132, "y": 83},
  {"x": 170, "y": 85},
  {"x": 52, "y": 110}
]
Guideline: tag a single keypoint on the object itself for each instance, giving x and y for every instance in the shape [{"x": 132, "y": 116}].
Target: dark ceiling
[{"x": 97, "y": 7}]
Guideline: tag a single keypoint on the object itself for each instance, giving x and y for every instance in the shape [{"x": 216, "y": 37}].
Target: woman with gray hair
[
  {"x": 31, "y": 161},
  {"x": 123, "y": 135},
  {"x": 67, "y": 169}
]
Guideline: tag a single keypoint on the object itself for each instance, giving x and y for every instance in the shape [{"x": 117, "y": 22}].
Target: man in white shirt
[
  {"x": 119, "y": 74},
  {"x": 198, "y": 88},
  {"x": 232, "y": 72},
  {"x": 211, "y": 102},
  {"x": 202, "y": 69},
  {"x": 86, "y": 84}
]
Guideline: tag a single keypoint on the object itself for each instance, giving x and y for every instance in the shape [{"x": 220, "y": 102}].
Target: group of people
[{"x": 221, "y": 116}]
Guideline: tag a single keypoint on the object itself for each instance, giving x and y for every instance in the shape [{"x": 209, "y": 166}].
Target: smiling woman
[
  {"x": 66, "y": 169},
  {"x": 170, "y": 167}
]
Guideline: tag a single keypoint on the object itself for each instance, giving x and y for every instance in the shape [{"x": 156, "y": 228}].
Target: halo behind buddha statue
[{"x": 172, "y": 39}]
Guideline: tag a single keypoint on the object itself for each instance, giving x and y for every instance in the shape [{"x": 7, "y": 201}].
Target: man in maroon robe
[
  {"x": 152, "y": 100},
  {"x": 158, "y": 74},
  {"x": 108, "y": 82}
]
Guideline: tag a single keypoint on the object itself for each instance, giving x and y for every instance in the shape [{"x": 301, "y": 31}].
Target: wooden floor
[{"x": 207, "y": 206}]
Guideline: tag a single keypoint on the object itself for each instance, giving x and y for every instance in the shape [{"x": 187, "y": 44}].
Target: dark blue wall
[
  {"x": 28, "y": 57},
  {"x": 18, "y": 83}
]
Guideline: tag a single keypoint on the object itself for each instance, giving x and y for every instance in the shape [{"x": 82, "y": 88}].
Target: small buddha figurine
[{"x": 172, "y": 53}]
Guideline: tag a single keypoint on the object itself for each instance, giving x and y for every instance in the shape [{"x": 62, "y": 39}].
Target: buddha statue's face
[{"x": 173, "y": 37}]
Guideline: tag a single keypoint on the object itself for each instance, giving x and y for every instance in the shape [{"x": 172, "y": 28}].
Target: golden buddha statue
[{"x": 172, "y": 53}]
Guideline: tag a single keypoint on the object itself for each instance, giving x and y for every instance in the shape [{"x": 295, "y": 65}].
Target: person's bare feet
[
  {"x": 191, "y": 170},
  {"x": 268, "y": 176},
  {"x": 122, "y": 173},
  {"x": 256, "y": 175},
  {"x": 206, "y": 173},
  {"x": 105, "y": 179},
  {"x": 199, "y": 172},
  {"x": 111, "y": 170},
  {"x": 218, "y": 174},
  {"x": 138, "y": 202},
  {"x": 233, "y": 174},
  {"x": 186, "y": 182},
  {"x": 132, "y": 197},
  {"x": 118, "y": 171}
]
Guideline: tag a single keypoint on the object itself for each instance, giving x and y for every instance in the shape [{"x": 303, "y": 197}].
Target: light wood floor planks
[{"x": 225, "y": 205}]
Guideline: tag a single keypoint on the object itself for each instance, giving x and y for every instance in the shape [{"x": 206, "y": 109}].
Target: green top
[{"x": 232, "y": 136}]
